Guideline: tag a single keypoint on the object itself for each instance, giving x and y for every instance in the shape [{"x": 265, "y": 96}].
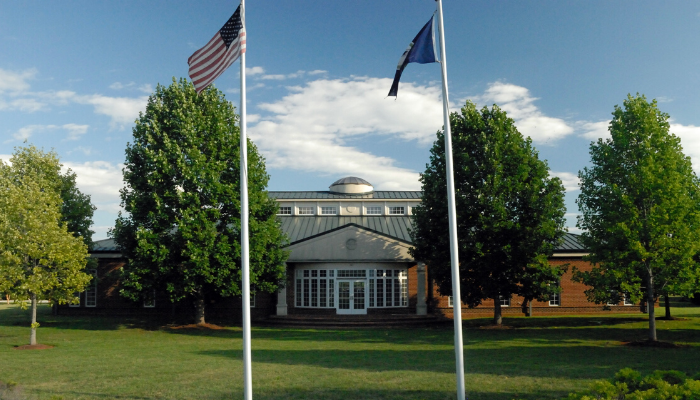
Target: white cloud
[
  {"x": 309, "y": 129},
  {"x": 85, "y": 150},
  {"x": 274, "y": 77},
  {"x": 26, "y": 132},
  {"x": 119, "y": 85},
  {"x": 569, "y": 180},
  {"x": 254, "y": 71},
  {"x": 664, "y": 99},
  {"x": 690, "y": 140},
  {"x": 122, "y": 110},
  {"x": 146, "y": 88},
  {"x": 317, "y": 72},
  {"x": 75, "y": 131},
  {"x": 12, "y": 81},
  {"x": 593, "y": 130},
  {"x": 101, "y": 180},
  {"x": 517, "y": 102}
]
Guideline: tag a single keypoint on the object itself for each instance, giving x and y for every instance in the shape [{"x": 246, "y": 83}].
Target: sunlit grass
[{"x": 541, "y": 358}]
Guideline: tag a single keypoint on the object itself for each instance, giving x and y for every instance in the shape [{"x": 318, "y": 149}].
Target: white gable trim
[{"x": 349, "y": 244}]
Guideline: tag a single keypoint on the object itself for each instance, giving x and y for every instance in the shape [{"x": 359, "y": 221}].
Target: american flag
[{"x": 207, "y": 63}]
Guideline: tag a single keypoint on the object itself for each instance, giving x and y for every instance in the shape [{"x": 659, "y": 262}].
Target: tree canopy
[
  {"x": 180, "y": 229},
  {"x": 39, "y": 258},
  {"x": 640, "y": 210},
  {"x": 76, "y": 207},
  {"x": 510, "y": 212}
]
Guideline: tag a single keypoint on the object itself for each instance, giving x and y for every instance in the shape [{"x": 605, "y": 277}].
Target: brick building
[{"x": 349, "y": 255}]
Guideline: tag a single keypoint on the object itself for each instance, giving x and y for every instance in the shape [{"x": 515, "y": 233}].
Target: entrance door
[{"x": 351, "y": 297}]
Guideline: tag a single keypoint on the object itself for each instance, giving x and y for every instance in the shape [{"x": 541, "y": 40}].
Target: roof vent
[{"x": 351, "y": 185}]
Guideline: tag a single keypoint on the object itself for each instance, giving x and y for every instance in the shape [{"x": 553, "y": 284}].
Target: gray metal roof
[
  {"x": 571, "y": 243},
  {"x": 303, "y": 228},
  {"x": 382, "y": 194},
  {"x": 104, "y": 245},
  {"x": 351, "y": 180}
]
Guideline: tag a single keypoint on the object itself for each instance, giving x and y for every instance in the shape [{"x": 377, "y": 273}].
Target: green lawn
[{"x": 544, "y": 357}]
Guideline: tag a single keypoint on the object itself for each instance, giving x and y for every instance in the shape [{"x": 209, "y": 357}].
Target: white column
[
  {"x": 282, "y": 297},
  {"x": 421, "y": 306}
]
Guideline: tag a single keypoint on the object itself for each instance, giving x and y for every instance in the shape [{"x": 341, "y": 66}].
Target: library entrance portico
[
  {"x": 349, "y": 270},
  {"x": 350, "y": 288}
]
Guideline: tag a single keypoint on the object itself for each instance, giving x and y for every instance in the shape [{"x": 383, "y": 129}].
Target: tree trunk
[
  {"x": 497, "y": 318},
  {"x": 199, "y": 308},
  {"x": 667, "y": 304},
  {"x": 7, "y": 296},
  {"x": 529, "y": 306},
  {"x": 32, "y": 336},
  {"x": 650, "y": 307}
]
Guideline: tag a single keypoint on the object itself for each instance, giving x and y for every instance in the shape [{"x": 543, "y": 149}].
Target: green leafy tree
[
  {"x": 76, "y": 208},
  {"x": 510, "y": 212},
  {"x": 640, "y": 210},
  {"x": 39, "y": 258},
  {"x": 181, "y": 228}
]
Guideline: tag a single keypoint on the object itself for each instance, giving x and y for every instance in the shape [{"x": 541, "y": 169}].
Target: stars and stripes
[{"x": 207, "y": 63}]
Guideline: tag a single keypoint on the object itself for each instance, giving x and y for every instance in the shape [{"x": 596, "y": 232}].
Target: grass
[{"x": 543, "y": 358}]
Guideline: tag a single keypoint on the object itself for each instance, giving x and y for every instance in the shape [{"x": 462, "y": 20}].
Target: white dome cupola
[{"x": 351, "y": 185}]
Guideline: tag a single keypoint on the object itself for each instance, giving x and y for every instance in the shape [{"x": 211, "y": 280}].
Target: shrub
[{"x": 628, "y": 384}]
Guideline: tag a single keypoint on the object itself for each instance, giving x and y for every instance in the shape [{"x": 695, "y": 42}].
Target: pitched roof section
[
  {"x": 381, "y": 194},
  {"x": 570, "y": 243},
  {"x": 302, "y": 228},
  {"x": 104, "y": 245}
]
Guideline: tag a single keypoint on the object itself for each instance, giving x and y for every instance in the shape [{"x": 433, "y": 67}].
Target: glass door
[{"x": 351, "y": 297}]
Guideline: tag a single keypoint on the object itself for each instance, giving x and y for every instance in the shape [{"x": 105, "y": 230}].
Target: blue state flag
[{"x": 421, "y": 51}]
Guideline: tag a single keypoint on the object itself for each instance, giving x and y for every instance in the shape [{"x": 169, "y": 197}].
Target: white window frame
[
  {"x": 374, "y": 210},
  {"x": 92, "y": 272},
  {"x": 304, "y": 288},
  {"x": 505, "y": 302},
  {"x": 79, "y": 295},
  {"x": 306, "y": 210},
  {"x": 555, "y": 299},
  {"x": 152, "y": 304},
  {"x": 282, "y": 210},
  {"x": 399, "y": 287},
  {"x": 393, "y": 210},
  {"x": 329, "y": 210},
  {"x": 626, "y": 300},
  {"x": 450, "y": 301}
]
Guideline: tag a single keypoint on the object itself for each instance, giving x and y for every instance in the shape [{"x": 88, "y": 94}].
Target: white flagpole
[
  {"x": 247, "y": 368},
  {"x": 452, "y": 214}
]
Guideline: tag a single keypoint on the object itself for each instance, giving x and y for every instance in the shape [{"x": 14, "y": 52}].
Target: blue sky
[{"x": 74, "y": 75}]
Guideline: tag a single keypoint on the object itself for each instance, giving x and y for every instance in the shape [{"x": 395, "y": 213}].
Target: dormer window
[
  {"x": 329, "y": 211},
  {"x": 374, "y": 210},
  {"x": 306, "y": 210},
  {"x": 285, "y": 211},
  {"x": 397, "y": 210}
]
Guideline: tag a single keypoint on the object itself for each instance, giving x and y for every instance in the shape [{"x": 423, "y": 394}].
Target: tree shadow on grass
[
  {"x": 573, "y": 361},
  {"x": 15, "y": 316},
  {"x": 385, "y": 394}
]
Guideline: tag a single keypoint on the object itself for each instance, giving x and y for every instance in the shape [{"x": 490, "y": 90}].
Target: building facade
[{"x": 349, "y": 255}]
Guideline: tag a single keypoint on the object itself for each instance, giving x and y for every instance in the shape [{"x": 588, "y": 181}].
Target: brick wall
[
  {"x": 110, "y": 302},
  {"x": 572, "y": 299}
]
